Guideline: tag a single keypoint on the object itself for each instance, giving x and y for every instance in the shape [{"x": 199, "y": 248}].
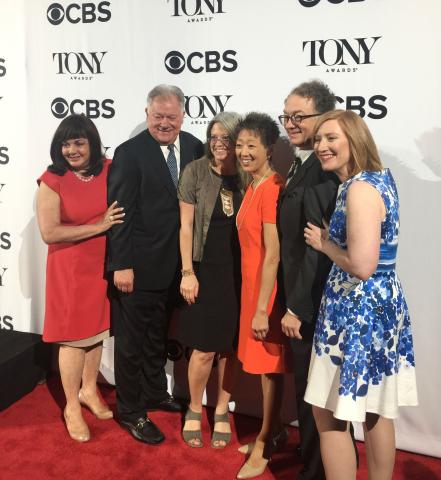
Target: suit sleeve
[
  {"x": 199, "y": 149},
  {"x": 319, "y": 201},
  {"x": 122, "y": 185},
  {"x": 318, "y": 204}
]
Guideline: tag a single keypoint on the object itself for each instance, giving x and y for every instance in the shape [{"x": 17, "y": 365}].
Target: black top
[{"x": 211, "y": 323}]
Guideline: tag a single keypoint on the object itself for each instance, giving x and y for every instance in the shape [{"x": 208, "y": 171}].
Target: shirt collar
[
  {"x": 177, "y": 145},
  {"x": 303, "y": 154}
]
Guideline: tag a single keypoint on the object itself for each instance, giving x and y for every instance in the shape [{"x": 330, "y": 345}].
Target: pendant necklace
[
  {"x": 227, "y": 201},
  {"x": 225, "y": 195}
]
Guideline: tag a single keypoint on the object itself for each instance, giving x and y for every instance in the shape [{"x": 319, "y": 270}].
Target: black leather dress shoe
[
  {"x": 143, "y": 430},
  {"x": 170, "y": 404}
]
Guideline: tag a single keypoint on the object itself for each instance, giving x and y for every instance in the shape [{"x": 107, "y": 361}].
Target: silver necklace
[{"x": 264, "y": 177}]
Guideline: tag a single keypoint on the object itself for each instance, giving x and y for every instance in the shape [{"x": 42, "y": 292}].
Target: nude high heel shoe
[
  {"x": 103, "y": 413},
  {"x": 279, "y": 439},
  {"x": 79, "y": 433},
  {"x": 248, "y": 471}
]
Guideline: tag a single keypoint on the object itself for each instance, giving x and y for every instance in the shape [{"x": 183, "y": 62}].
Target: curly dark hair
[
  {"x": 262, "y": 125},
  {"x": 72, "y": 127},
  {"x": 321, "y": 94}
]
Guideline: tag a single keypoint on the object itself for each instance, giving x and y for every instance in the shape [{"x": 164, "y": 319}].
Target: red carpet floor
[{"x": 34, "y": 445}]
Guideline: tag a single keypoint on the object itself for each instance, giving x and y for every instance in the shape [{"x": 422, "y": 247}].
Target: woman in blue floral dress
[{"x": 362, "y": 366}]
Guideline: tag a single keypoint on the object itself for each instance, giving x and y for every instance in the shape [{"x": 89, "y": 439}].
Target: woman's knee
[
  {"x": 375, "y": 421},
  {"x": 203, "y": 357},
  {"x": 326, "y": 421}
]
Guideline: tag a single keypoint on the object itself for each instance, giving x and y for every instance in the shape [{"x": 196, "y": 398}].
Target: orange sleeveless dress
[{"x": 273, "y": 355}]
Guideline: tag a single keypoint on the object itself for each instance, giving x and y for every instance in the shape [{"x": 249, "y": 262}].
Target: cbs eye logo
[
  {"x": 90, "y": 107},
  {"x": 76, "y": 13},
  {"x": 197, "y": 62},
  {"x": 313, "y": 3}
]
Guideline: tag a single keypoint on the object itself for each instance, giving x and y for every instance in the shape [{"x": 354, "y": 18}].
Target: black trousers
[
  {"x": 140, "y": 326},
  {"x": 309, "y": 436}
]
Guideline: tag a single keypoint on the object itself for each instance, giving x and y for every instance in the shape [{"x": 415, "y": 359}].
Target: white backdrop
[{"x": 101, "y": 58}]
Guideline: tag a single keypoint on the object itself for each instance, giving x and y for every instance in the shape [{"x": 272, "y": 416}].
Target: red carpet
[{"x": 34, "y": 445}]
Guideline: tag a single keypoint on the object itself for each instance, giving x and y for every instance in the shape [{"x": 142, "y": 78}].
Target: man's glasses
[
  {"x": 224, "y": 139},
  {"x": 295, "y": 118}
]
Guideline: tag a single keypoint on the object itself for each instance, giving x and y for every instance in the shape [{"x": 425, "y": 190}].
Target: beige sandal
[
  {"x": 190, "y": 435},
  {"x": 220, "y": 436}
]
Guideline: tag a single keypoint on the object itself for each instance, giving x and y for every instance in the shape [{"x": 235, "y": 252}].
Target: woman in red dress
[
  {"x": 73, "y": 216},
  {"x": 262, "y": 346}
]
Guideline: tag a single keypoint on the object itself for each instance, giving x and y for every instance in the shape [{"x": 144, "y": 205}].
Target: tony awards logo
[
  {"x": 79, "y": 65},
  {"x": 340, "y": 55},
  {"x": 197, "y": 11}
]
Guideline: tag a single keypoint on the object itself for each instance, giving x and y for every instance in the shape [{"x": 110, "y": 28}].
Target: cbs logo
[
  {"x": 197, "y": 62},
  {"x": 373, "y": 107},
  {"x": 6, "y": 322},
  {"x": 4, "y": 157},
  {"x": 90, "y": 107},
  {"x": 5, "y": 240},
  {"x": 76, "y": 13},
  {"x": 2, "y": 67}
]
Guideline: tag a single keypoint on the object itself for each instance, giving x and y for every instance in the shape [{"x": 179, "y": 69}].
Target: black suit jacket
[
  {"x": 148, "y": 240},
  {"x": 308, "y": 197}
]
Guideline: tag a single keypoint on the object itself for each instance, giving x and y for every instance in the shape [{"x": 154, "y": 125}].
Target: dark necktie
[
  {"x": 172, "y": 164},
  {"x": 292, "y": 171}
]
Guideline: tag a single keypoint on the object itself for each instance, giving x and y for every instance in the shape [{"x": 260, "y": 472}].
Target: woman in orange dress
[{"x": 262, "y": 346}]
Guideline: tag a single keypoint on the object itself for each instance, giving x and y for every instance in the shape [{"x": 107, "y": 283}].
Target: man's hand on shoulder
[
  {"x": 124, "y": 279},
  {"x": 291, "y": 325}
]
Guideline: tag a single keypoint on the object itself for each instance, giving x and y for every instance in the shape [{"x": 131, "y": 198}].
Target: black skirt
[{"x": 211, "y": 324}]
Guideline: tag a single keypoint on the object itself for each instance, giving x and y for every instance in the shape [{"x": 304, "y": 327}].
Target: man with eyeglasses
[
  {"x": 309, "y": 196},
  {"x": 143, "y": 254}
]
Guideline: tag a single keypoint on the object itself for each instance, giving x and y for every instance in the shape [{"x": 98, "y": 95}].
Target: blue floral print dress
[{"x": 362, "y": 359}]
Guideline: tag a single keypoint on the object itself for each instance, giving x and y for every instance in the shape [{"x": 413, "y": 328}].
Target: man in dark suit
[
  {"x": 309, "y": 196},
  {"x": 143, "y": 254}
]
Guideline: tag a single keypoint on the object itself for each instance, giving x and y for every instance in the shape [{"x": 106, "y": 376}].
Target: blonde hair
[{"x": 362, "y": 149}]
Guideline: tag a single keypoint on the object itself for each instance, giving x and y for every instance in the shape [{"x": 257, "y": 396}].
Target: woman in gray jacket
[{"x": 210, "y": 193}]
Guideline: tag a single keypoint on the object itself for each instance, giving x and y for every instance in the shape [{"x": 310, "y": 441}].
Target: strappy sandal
[
  {"x": 220, "y": 436},
  {"x": 190, "y": 435}
]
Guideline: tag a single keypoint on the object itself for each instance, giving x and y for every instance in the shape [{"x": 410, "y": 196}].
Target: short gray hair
[{"x": 166, "y": 91}]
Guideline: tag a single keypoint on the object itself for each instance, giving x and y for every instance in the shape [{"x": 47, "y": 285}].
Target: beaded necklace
[{"x": 80, "y": 177}]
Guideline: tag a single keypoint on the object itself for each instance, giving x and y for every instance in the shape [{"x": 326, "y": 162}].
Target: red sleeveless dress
[{"x": 77, "y": 306}]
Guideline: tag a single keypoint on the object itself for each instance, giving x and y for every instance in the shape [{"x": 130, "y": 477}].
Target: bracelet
[{"x": 187, "y": 273}]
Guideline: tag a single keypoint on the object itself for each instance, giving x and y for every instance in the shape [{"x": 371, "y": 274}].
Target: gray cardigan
[{"x": 200, "y": 187}]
